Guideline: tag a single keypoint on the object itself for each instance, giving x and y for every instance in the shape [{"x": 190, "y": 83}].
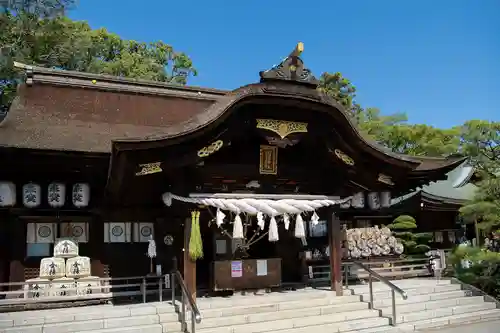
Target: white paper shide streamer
[
  {"x": 273, "y": 230},
  {"x": 151, "y": 247},
  {"x": 238, "y": 228},
  {"x": 300, "y": 231},
  {"x": 219, "y": 217}
]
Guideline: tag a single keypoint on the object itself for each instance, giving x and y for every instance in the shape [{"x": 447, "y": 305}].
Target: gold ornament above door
[{"x": 282, "y": 127}]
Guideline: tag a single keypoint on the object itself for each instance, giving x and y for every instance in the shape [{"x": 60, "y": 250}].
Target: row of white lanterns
[
  {"x": 56, "y": 195},
  {"x": 376, "y": 200}
]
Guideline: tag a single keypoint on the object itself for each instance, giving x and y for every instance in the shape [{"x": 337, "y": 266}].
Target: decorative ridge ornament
[{"x": 291, "y": 69}]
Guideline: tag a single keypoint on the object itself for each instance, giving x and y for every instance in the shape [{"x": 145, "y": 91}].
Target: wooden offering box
[{"x": 246, "y": 274}]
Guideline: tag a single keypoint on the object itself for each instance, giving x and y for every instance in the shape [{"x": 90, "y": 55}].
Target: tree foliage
[
  {"x": 343, "y": 91},
  {"x": 37, "y": 37},
  {"x": 485, "y": 206},
  {"x": 41, "y": 8},
  {"x": 482, "y": 270},
  {"x": 391, "y": 131},
  {"x": 481, "y": 140},
  {"x": 414, "y": 243}
]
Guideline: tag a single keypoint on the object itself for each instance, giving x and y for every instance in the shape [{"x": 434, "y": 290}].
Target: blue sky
[{"x": 438, "y": 60}]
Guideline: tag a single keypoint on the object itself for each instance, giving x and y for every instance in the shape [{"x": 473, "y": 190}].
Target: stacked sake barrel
[
  {"x": 64, "y": 274},
  {"x": 373, "y": 241}
]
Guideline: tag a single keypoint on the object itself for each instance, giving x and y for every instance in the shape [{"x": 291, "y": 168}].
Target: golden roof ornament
[{"x": 291, "y": 69}]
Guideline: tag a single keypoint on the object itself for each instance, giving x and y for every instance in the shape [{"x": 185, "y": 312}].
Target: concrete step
[
  {"x": 336, "y": 312},
  {"x": 457, "y": 319},
  {"x": 437, "y": 323},
  {"x": 88, "y": 325},
  {"x": 315, "y": 306},
  {"x": 414, "y": 291},
  {"x": 238, "y": 310},
  {"x": 262, "y": 298},
  {"x": 432, "y": 305},
  {"x": 84, "y": 314},
  {"x": 403, "y": 284},
  {"x": 135, "y": 329},
  {"x": 406, "y": 283},
  {"x": 298, "y": 326},
  {"x": 386, "y": 302},
  {"x": 443, "y": 312}
]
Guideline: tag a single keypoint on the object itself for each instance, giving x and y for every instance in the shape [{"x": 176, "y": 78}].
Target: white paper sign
[
  {"x": 261, "y": 267},
  {"x": 158, "y": 270},
  {"x": 236, "y": 269}
]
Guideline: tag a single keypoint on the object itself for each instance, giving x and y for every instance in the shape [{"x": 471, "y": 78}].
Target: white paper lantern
[
  {"x": 32, "y": 194},
  {"x": 81, "y": 195},
  {"x": 56, "y": 195},
  {"x": 385, "y": 199},
  {"x": 358, "y": 200},
  {"x": 7, "y": 194},
  {"x": 373, "y": 200}
]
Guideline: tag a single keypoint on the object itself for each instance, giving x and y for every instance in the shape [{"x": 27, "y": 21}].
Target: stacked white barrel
[
  {"x": 64, "y": 274},
  {"x": 372, "y": 241}
]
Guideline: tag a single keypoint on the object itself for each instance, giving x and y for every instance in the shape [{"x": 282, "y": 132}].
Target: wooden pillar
[
  {"x": 335, "y": 245},
  {"x": 17, "y": 234},
  {"x": 189, "y": 264},
  {"x": 96, "y": 244},
  {"x": 4, "y": 249}
]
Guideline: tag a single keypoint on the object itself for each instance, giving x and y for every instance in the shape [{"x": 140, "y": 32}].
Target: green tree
[
  {"x": 480, "y": 140},
  {"x": 414, "y": 243},
  {"x": 391, "y": 131},
  {"x": 482, "y": 271},
  {"x": 59, "y": 42},
  {"x": 343, "y": 91},
  {"x": 485, "y": 206},
  {"x": 419, "y": 140},
  {"x": 41, "y": 8}
]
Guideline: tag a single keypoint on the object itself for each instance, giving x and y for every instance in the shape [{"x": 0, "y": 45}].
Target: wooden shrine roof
[
  {"x": 456, "y": 189},
  {"x": 74, "y": 111},
  {"x": 65, "y": 110}
]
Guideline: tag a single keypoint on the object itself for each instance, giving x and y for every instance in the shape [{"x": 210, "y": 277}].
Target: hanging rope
[{"x": 255, "y": 206}]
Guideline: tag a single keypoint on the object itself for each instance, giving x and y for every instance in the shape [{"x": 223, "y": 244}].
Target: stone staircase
[{"x": 430, "y": 304}]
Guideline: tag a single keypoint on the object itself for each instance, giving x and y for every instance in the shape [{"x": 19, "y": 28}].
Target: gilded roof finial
[{"x": 291, "y": 69}]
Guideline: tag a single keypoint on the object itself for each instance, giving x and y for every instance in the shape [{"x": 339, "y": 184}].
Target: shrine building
[{"x": 113, "y": 162}]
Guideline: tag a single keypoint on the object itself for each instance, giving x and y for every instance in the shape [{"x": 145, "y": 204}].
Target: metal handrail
[
  {"x": 185, "y": 294},
  {"x": 386, "y": 281}
]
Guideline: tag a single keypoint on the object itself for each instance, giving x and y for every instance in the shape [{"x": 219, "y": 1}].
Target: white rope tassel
[
  {"x": 314, "y": 219},
  {"x": 299, "y": 227},
  {"x": 219, "y": 217},
  {"x": 286, "y": 221},
  {"x": 260, "y": 220},
  {"x": 273, "y": 230},
  {"x": 237, "y": 228}
]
